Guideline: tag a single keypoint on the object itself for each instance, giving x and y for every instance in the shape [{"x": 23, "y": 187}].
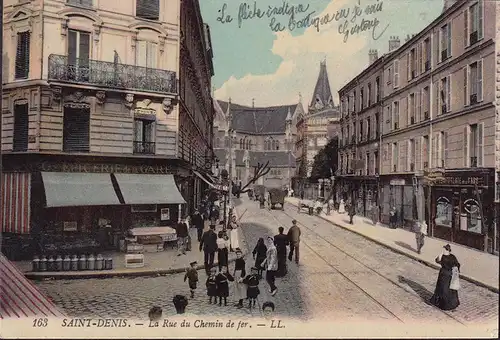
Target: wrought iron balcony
[
  {"x": 108, "y": 74},
  {"x": 147, "y": 148}
]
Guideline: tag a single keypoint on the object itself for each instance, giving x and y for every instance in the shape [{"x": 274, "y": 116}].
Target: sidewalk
[
  {"x": 157, "y": 263},
  {"x": 477, "y": 267}
]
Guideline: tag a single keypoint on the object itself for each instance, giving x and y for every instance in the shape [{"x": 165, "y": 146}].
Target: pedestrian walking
[
  {"x": 222, "y": 250},
  {"x": 182, "y": 237},
  {"x": 446, "y": 293},
  {"x": 393, "y": 217},
  {"x": 281, "y": 241},
  {"x": 209, "y": 245},
  {"x": 211, "y": 285},
  {"x": 192, "y": 277},
  {"x": 252, "y": 282},
  {"x": 259, "y": 255},
  {"x": 239, "y": 274},
  {"x": 420, "y": 233},
  {"x": 199, "y": 223},
  {"x": 294, "y": 239},
  {"x": 351, "y": 209},
  {"x": 271, "y": 263},
  {"x": 222, "y": 280}
]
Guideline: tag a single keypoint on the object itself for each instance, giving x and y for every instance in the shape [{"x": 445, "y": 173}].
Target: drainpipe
[{"x": 429, "y": 158}]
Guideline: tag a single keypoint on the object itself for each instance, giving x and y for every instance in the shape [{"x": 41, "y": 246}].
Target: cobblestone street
[{"x": 341, "y": 276}]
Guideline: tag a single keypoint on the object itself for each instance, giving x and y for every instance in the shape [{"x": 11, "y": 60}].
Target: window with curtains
[
  {"x": 22, "y": 56},
  {"x": 377, "y": 89},
  {"x": 21, "y": 124},
  {"x": 78, "y": 55},
  {"x": 473, "y": 145},
  {"x": 146, "y": 54},
  {"x": 83, "y": 3},
  {"x": 395, "y": 157},
  {"x": 144, "y": 136},
  {"x": 147, "y": 9},
  {"x": 369, "y": 95},
  {"x": 473, "y": 83},
  {"x": 445, "y": 38},
  {"x": 426, "y": 54}
]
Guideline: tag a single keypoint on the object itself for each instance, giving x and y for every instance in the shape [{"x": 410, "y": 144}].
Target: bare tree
[{"x": 258, "y": 171}]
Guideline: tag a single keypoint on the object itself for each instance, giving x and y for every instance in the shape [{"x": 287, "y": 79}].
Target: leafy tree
[{"x": 326, "y": 161}]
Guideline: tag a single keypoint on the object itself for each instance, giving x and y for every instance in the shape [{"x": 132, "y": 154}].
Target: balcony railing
[
  {"x": 147, "y": 148},
  {"x": 114, "y": 75}
]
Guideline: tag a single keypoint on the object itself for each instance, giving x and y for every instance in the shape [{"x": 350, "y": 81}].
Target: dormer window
[{"x": 148, "y": 9}]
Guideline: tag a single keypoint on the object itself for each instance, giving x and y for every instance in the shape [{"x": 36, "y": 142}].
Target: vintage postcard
[{"x": 250, "y": 168}]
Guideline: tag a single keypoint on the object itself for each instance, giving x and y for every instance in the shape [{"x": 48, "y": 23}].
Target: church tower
[
  {"x": 288, "y": 130},
  {"x": 322, "y": 96}
]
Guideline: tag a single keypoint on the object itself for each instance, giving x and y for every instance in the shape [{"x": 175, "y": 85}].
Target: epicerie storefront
[{"x": 79, "y": 206}]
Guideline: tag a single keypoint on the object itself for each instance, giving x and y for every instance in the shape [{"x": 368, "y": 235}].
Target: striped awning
[
  {"x": 15, "y": 209},
  {"x": 19, "y": 298}
]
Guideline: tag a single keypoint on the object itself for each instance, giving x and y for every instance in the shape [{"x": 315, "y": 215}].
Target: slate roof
[
  {"x": 322, "y": 89},
  {"x": 258, "y": 120},
  {"x": 276, "y": 158}
]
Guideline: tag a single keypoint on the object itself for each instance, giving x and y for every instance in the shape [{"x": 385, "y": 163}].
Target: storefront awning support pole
[{"x": 484, "y": 227}]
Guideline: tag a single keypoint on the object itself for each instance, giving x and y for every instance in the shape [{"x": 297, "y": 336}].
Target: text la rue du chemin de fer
[{"x": 352, "y": 20}]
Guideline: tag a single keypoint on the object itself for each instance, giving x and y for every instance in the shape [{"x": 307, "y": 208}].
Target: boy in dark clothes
[
  {"x": 192, "y": 277},
  {"x": 212, "y": 285},
  {"x": 223, "y": 285},
  {"x": 252, "y": 282}
]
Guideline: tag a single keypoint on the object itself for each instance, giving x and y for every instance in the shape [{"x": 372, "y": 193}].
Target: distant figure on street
[
  {"x": 233, "y": 234},
  {"x": 222, "y": 250},
  {"x": 420, "y": 234},
  {"x": 281, "y": 241},
  {"x": 259, "y": 255},
  {"x": 446, "y": 293},
  {"x": 180, "y": 303},
  {"x": 393, "y": 217},
  {"x": 342, "y": 207},
  {"x": 192, "y": 277},
  {"x": 294, "y": 239},
  {"x": 209, "y": 245},
  {"x": 351, "y": 209},
  {"x": 199, "y": 223},
  {"x": 182, "y": 237},
  {"x": 271, "y": 263}
]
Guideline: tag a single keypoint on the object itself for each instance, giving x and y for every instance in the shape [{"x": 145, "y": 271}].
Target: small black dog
[{"x": 155, "y": 313}]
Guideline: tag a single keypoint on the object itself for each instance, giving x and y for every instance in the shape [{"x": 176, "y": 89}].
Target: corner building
[{"x": 106, "y": 113}]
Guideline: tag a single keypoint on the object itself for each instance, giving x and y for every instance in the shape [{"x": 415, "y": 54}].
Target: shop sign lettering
[
  {"x": 457, "y": 180},
  {"x": 103, "y": 168}
]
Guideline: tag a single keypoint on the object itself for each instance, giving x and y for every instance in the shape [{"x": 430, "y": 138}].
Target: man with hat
[
  {"x": 198, "y": 222},
  {"x": 192, "y": 277},
  {"x": 209, "y": 245}
]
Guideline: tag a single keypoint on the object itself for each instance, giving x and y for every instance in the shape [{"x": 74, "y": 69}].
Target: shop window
[
  {"x": 470, "y": 217},
  {"x": 444, "y": 212},
  {"x": 22, "y": 55},
  {"x": 148, "y": 9}
]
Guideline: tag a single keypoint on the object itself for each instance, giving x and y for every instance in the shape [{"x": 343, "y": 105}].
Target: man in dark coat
[
  {"x": 209, "y": 245},
  {"x": 182, "y": 237},
  {"x": 281, "y": 241},
  {"x": 198, "y": 222}
]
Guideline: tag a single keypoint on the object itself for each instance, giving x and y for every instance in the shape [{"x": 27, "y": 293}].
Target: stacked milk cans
[{"x": 71, "y": 263}]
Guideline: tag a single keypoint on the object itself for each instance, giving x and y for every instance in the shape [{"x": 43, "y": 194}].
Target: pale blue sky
[{"x": 248, "y": 51}]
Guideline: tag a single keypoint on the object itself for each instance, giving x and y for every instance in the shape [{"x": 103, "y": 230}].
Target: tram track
[{"x": 346, "y": 276}]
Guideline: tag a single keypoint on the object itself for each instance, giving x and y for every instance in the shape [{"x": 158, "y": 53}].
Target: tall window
[
  {"x": 425, "y": 152},
  {"x": 444, "y": 98},
  {"x": 368, "y": 128},
  {"x": 375, "y": 160},
  {"x": 354, "y": 101},
  {"x": 473, "y": 145},
  {"x": 377, "y": 125},
  {"x": 377, "y": 90},
  {"x": 360, "y": 130},
  {"x": 21, "y": 127},
  {"x": 411, "y": 109},
  {"x": 395, "y": 157},
  {"x": 146, "y": 54},
  {"x": 367, "y": 164},
  {"x": 395, "y": 115},
  {"x": 76, "y": 130},
  {"x": 445, "y": 38},
  {"x": 78, "y": 55},
  {"x": 22, "y": 55},
  {"x": 427, "y": 52},
  {"x": 410, "y": 157},
  {"x": 426, "y": 102},
  {"x": 396, "y": 73},
  {"x": 443, "y": 144},
  {"x": 361, "y": 98},
  {"x": 473, "y": 85},
  {"x": 473, "y": 23},
  {"x": 147, "y": 9},
  {"x": 369, "y": 95},
  {"x": 412, "y": 62},
  {"x": 144, "y": 136},
  {"x": 84, "y": 3}
]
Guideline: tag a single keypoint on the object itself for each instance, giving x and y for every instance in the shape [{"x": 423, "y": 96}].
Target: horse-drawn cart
[{"x": 277, "y": 197}]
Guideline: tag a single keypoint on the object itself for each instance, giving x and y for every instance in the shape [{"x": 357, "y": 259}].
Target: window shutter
[
  {"x": 409, "y": 156},
  {"x": 437, "y": 86},
  {"x": 480, "y": 14},
  {"x": 480, "y": 144},
  {"x": 479, "y": 80},
  {"x": 21, "y": 128},
  {"x": 419, "y": 67},
  {"x": 22, "y": 55},
  {"x": 466, "y": 146},
  {"x": 448, "y": 93},
  {"x": 449, "y": 38},
  {"x": 466, "y": 85},
  {"x": 418, "y": 103},
  {"x": 433, "y": 152},
  {"x": 76, "y": 130},
  {"x": 408, "y": 108},
  {"x": 151, "y": 55},
  {"x": 466, "y": 27},
  {"x": 445, "y": 147},
  {"x": 418, "y": 154},
  {"x": 396, "y": 73},
  {"x": 141, "y": 53},
  {"x": 148, "y": 9},
  {"x": 408, "y": 66}
]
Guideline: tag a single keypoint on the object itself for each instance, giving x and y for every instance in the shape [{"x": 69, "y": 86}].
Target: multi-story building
[
  {"x": 96, "y": 124},
  {"x": 314, "y": 128},
  {"x": 438, "y": 123},
  {"x": 360, "y": 103},
  {"x": 259, "y": 135}
]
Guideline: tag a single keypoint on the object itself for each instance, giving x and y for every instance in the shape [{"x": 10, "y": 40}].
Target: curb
[
  {"x": 413, "y": 257},
  {"x": 110, "y": 274}
]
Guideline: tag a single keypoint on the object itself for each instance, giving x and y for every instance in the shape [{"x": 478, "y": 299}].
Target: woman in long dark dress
[
  {"x": 259, "y": 254},
  {"x": 444, "y": 297}
]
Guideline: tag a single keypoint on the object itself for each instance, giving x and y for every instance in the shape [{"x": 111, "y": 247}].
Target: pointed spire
[
  {"x": 228, "y": 106},
  {"x": 322, "y": 95}
]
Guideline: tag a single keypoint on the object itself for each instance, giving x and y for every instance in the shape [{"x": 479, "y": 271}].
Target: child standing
[
  {"x": 212, "y": 285},
  {"x": 192, "y": 277},
  {"x": 223, "y": 285},
  {"x": 252, "y": 282}
]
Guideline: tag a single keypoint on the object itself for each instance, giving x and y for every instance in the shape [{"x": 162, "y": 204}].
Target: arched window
[
  {"x": 277, "y": 145},
  {"x": 241, "y": 143},
  {"x": 266, "y": 145},
  {"x": 250, "y": 144},
  {"x": 217, "y": 142},
  {"x": 271, "y": 145}
]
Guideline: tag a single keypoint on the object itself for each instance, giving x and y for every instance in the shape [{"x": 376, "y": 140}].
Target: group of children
[{"x": 217, "y": 283}]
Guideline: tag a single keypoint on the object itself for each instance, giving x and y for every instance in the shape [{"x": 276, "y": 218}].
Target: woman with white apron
[
  {"x": 240, "y": 289},
  {"x": 342, "y": 207},
  {"x": 233, "y": 234}
]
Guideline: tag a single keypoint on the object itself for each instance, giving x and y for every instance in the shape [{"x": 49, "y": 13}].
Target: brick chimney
[
  {"x": 372, "y": 56},
  {"x": 447, "y": 4},
  {"x": 394, "y": 43}
]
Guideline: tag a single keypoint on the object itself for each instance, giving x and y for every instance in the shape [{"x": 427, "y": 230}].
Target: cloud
[{"x": 299, "y": 68}]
